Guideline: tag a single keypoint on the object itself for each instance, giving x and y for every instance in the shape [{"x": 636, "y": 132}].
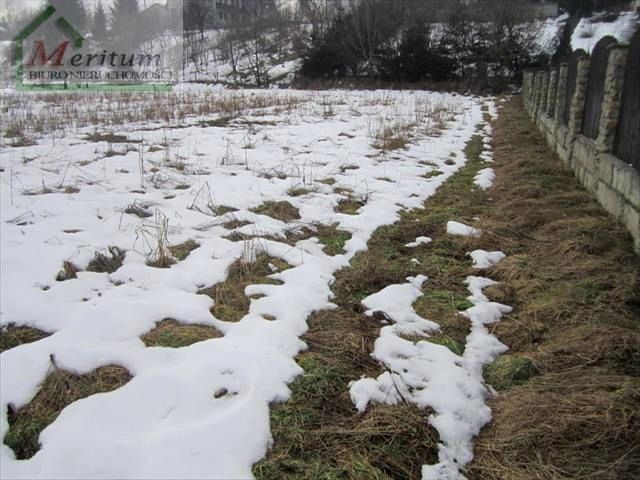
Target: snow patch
[
  {"x": 431, "y": 375},
  {"x": 484, "y": 259},
  {"x": 457, "y": 228},
  {"x": 419, "y": 241},
  {"x": 484, "y": 178}
]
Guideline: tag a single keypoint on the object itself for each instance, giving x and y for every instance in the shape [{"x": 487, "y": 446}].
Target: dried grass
[
  {"x": 282, "y": 211},
  {"x": 60, "y": 389},
  {"x": 12, "y": 336},
  {"x": 230, "y": 302},
  {"x": 573, "y": 281},
  {"x": 107, "y": 263},
  {"x": 170, "y": 333},
  {"x": 573, "y": 424},
  {"x": 317, "y": 432}
]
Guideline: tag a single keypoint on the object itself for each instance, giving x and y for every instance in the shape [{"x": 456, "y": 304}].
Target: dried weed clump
[{"x": 230, "y": 301}]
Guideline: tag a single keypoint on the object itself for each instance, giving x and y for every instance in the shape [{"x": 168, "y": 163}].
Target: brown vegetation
[{"x": 574, "y": 282}]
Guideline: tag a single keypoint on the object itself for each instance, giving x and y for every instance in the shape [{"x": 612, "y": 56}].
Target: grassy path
[
  {"x": 568, "y": 388},
  {"x": 317, "y": 433}
]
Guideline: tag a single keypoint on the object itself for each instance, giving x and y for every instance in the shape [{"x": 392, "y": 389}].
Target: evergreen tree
[
  {"x": 100, "y": 23},
  {"x": 123, "y": 13},
  {"x": 415, "y": 55}
]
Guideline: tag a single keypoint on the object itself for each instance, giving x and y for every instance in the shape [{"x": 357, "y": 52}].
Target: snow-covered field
[{"x": 66, "y": 197}]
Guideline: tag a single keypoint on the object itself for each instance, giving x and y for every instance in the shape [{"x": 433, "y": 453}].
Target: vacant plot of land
[
  {"x": 191, "y": 239},
  {"x": 197, "y": 297}
]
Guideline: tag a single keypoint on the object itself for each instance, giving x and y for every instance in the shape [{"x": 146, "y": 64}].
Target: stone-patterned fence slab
[
  {"x": 627, "y": 141},
  {"x": 588, "y": 111},
  {"x": 595, "y": 87}
]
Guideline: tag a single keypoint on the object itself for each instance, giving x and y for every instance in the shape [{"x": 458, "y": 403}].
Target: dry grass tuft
[
  {"x": 283, "y": 210},
  {"x": 235, "y": 223},
  {"x": 564, "y": 426},
  {"x": 60, "y": 389},
  {"x": 170, "y": 333},
  {"x": 182, "y": 250},
  {"x": 223, "y": 209},
  {"x": 350, "y": 205},
  {"x": 391, "y": 137},
  {"x": 108, "y": 137},
  {"x": 12, "y": 336},
  {"x": 107, "y": 263},
  {"x": 328, "y": 181},
  {"x": 230, "y": 302},
  {"x": 69, "y": 271}
]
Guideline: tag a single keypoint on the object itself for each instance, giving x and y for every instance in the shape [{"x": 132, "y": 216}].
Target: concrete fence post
[
  {"x": 611, "y": 102},
  {"x": 527, "y": 88},
  {"x": 543, "y": 94},
  {"x": 551, "y": 95},
  {"x": 561, "y": 91},
  {"x": 537, "y": 98},
  {"x": 576, "y": 114},
  {"x": 534, "y": 86}
]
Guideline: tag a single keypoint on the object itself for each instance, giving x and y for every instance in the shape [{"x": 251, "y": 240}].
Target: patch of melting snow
[
  {"x": 418, "y": 241},
  {"x": 432, "y": 376},
  {"x": 484, "y": 259},
  {"x": 484, "y": 178},
  {"x": 457, "y": 228}
]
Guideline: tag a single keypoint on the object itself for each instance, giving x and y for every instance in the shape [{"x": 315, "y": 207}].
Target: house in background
[
  {"x": 546, "y": 8},
  {"x": 233, "y": 11}
]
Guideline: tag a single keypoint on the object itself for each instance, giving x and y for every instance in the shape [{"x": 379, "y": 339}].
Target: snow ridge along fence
[{"x": 588, "y": 110}]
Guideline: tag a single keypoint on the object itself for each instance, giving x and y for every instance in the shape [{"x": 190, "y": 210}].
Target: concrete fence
[{"x": 614, "y": 181}]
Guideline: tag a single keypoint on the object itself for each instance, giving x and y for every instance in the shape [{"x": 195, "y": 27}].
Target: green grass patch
[
  {"x": 454, "y": 345},
  {"x": 509, "y": 370},
  {"x": 332, "y": 238},
  {"x": 298, "y": 191},
  {"x": 317, "y": 433},
  {"x": 432, "y": 174}
]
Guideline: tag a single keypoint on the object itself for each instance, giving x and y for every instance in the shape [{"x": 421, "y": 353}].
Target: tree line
[{"x": 425, "y": 41}]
